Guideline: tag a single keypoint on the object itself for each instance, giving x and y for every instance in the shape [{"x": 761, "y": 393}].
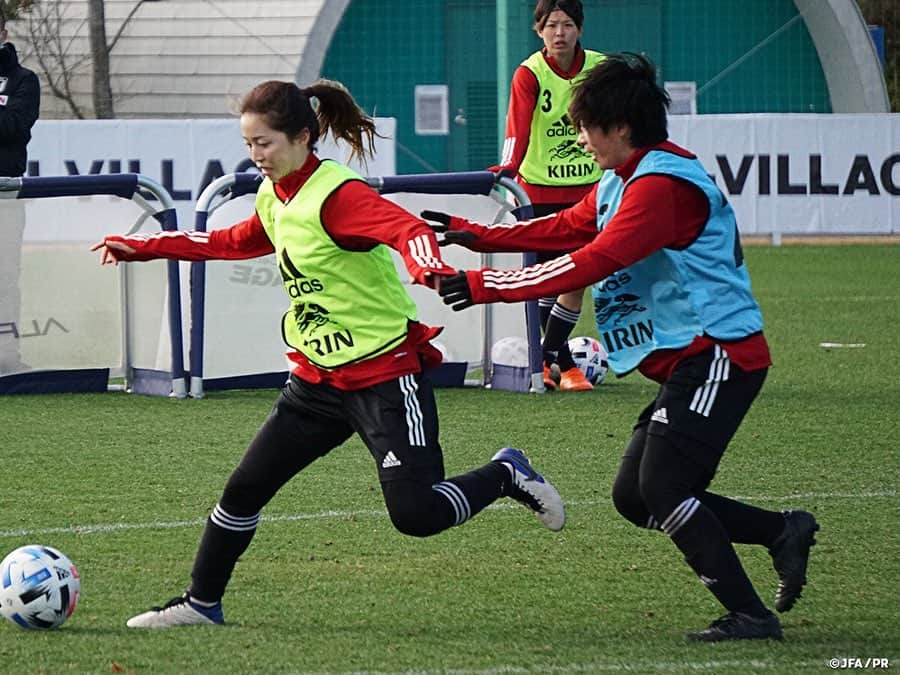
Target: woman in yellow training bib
[
  {"x": 541, "y": 149},
  {"x": 359, "y": 353}
]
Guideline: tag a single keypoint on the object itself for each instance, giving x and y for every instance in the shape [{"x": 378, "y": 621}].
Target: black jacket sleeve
[
  {"x": 20, "y": 102},
  {"x": 21, "y": 111}
]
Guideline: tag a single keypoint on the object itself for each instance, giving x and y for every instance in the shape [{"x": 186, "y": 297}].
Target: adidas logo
[
  {"x": 707, "y": 581},
  {"x": 660, "y": 416},
  {"x": 390, "y": 460}
]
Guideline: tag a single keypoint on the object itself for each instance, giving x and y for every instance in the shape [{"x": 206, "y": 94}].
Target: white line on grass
[
  {"x": 168, "y": 525},
  {"x": 874, "y": 494},
  {"x": 835, "y": 298},
  {"x": 636, "y": 667}
]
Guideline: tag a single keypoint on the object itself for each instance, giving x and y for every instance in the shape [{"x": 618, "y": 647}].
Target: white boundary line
[
  {"x": 636, "y": 667},
  {"x": 168, "y": 525}
]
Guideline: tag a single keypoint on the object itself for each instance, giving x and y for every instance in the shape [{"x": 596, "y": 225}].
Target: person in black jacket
[{"x": 20, "y": 98}]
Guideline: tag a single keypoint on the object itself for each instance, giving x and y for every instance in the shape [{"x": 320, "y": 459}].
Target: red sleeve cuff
[
  {"x": 142, "y": 252},
  {"x": 480, "y": 294}
]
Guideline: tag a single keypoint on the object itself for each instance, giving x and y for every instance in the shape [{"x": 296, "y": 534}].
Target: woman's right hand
[{"x": 114, "y": 250}]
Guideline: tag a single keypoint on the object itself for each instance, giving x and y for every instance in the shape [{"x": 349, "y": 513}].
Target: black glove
[
  {"x": 456, "y": 292},
  {"x": 442, "y": 219},
  {"x": 441, "y": 225}
]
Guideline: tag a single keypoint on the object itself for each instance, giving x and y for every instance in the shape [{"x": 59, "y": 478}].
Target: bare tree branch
[
  {"x": 53, "y": 54},
  {"x": 124, "y": 24},
  {"x": 53, "y": 45}
]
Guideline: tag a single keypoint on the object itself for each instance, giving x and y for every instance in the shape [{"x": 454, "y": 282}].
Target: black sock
[
  {"x": 421, "y": 509},
  {"x": 225, "y": 538},
  {"x": 745, "y": 524},
  {"x": 704, "y": 542},
  {"x": 545, "y": 305},
  {"x": 556, "y": 335},
  {"x": 484, "y": 485}
]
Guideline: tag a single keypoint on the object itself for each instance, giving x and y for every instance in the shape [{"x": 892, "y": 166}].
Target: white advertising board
[
  {"x": 788, "y": 173},
  {"x": 184, "y": 156},
  {"x": 801, "y": 174}
]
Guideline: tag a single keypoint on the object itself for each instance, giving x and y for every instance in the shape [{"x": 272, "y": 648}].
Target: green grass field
[{"x": 122, "y": 485}]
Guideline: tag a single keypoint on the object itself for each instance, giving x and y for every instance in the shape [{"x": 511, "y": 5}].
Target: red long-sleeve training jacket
[
  {"x": 357, "y": 218},
  {"x": 656, "y": 211}
]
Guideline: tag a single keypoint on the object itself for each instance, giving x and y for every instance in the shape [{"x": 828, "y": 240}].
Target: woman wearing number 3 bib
[{"x": 541, "y": 149}]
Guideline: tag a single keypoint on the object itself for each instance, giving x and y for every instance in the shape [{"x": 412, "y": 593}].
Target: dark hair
[
  {"x": 287, "y": 108},
  {"x": 545, "y": 7},
  {"x": 622, "y": 89}
]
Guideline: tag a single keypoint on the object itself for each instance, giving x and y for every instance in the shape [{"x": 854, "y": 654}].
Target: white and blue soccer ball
[
  {"x": 39, "y": 587},
  {"x": 590, "y": 357}
]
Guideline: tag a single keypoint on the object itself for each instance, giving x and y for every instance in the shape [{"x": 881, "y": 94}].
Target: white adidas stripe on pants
[
  {"x": 705, "y": 395},
  {"x": 414, "y": 417}
]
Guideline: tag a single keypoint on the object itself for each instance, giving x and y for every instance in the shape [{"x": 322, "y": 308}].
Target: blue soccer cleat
[{"x": 531, "y": 489}]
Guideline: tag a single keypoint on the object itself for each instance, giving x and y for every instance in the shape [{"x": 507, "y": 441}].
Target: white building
[
  {"x": 195, "y": 58},
  {"x": 186, "y": 58}
]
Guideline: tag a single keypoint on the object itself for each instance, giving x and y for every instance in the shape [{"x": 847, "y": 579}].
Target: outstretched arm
[
  {"x": 570, "y": 228},
  {"x": 246, "y": 239},
  {"x": 569, "y": 272},
  {"x": 656, "y": 212}
]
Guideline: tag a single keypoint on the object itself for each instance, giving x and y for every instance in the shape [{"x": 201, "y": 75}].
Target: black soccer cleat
[
  {"x": 740, "y": 626},
  {"x": 790, "y": 555}
]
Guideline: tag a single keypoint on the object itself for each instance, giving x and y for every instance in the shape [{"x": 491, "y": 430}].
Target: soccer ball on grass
[
  {"x": 590, "y": 357},
  {"x": 39, "y": 587}
]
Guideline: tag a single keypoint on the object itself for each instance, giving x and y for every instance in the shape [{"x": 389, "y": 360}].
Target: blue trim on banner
[
  {"x": 258, "y": 381},
  {"x": 464, "y": 182},
  {"x": 90, "y": 380},
  {"x": 122, "y": 185},
  {"x": 449, "y": 374}
]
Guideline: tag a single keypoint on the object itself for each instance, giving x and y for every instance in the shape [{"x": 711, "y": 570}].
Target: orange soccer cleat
[
  {"x": 549, "y": 380},
  {"x": 574, "y": 380}
]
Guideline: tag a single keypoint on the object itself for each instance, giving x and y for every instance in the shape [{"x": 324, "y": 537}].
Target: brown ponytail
[
  {"x": 338, "y": 112},
  {"x": 287, "y": 108}
]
